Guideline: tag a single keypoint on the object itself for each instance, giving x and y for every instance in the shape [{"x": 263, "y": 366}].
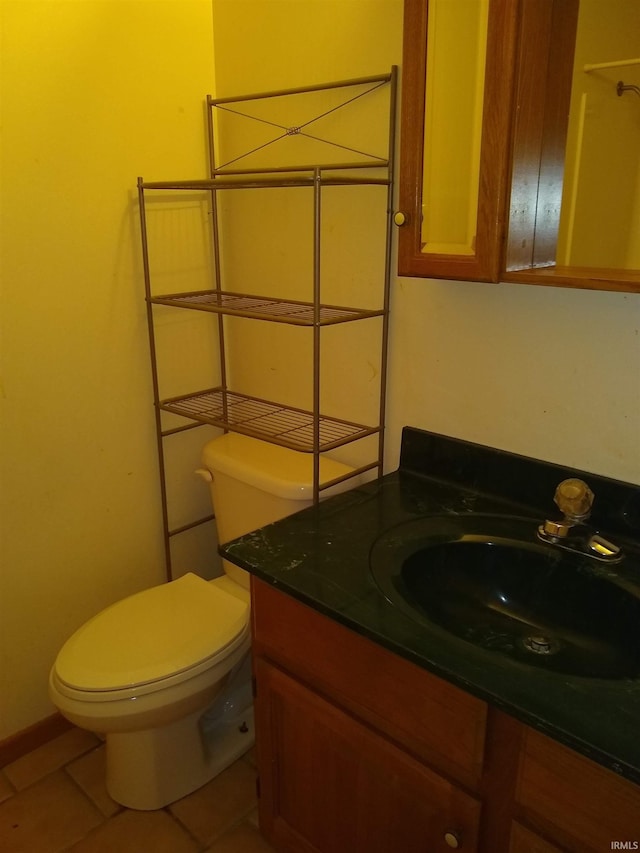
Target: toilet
[{"x": 165, "y": 674}]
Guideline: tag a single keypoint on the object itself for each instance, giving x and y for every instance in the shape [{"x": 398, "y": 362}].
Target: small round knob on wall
[
  {"x": 399, "y": 218},
  {"x": 453, "y": 839}
]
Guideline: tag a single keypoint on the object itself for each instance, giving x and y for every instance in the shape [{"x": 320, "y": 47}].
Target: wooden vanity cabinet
[
  {"x": 361, "y": 751},
  {"x": 358, "y": 750}
]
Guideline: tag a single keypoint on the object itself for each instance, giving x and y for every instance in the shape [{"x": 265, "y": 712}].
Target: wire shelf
[
  {"x": 259, "y": 179},
  {"x": 284, "y": 425},
  {"x": 264, "y": 308}
]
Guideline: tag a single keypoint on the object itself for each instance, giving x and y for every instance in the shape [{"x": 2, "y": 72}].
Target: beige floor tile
[
  {"x": 242, "y": 839},
  {"x": 53, "y": 755},
  {"x": 6, "y": 789},
  {"x": 89, "y": 773},
  {"x": 221, "y": 803},
  {"x": 138, "y": 832},
  {"x": 47, "y": 817}
]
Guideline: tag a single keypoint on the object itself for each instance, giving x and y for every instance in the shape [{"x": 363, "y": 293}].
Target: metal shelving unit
[{"x": 310, "y": 431}]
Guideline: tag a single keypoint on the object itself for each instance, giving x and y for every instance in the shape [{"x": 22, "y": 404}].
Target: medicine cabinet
[{"x": 537, "y": 132}]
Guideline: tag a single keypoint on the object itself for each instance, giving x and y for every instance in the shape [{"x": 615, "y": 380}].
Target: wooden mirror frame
[
  {"x": 520, "y": 109},
  {"x": 485, "y": 264}
]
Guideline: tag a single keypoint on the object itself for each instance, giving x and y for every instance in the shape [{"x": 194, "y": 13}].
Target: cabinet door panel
[
  {"x": 582, "y": 805},
  {"x": 429, "y": 717},
  {"x": 329, "y": 783}
]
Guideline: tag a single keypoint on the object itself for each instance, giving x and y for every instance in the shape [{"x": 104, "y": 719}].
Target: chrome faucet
[{"x": 574, "y": 499}]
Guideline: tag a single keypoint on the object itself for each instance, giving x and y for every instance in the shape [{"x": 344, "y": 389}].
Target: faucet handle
[{"x": 574, "y": 499}]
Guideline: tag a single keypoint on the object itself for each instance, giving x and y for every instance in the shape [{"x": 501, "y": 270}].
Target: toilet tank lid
[
  {"x": 151, "y": 635},
  {"x": 277, "y": 470}
]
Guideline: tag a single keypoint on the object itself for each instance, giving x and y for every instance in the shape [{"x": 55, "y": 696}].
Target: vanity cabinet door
[
  {"x": 582, "y": 806},
  {"x": 328, "y": 783}
]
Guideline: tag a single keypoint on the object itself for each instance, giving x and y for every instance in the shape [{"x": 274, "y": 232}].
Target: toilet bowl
[
  {"x": 143, "y": 671},
  {"x": 165, "y": 674}
]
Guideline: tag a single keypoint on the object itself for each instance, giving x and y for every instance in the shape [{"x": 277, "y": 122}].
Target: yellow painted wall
[
  {"x": 633, "y": 256},
  {"x": 262, "y": 46},
  {"x": 94, "y": 93}
]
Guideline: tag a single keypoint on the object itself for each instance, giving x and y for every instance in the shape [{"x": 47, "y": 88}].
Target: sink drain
[{"x": 541, "y": 645}]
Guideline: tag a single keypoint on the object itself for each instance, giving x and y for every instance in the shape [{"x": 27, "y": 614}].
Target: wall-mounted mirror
[
  {"x": 456, "y": 59},
  {"x": 455, "y": 136},
  {"x": 574, "y": 216},
  {"x": 558, "y": 194}
]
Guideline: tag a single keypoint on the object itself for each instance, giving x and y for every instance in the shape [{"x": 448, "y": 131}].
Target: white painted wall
[{"x": 546, "y": 372}]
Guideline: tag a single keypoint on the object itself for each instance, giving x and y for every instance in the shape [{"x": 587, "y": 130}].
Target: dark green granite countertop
[{"x": 321, "y": 556}]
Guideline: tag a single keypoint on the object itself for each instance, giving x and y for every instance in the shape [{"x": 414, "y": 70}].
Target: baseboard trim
[{"x": 21, "y": 743}]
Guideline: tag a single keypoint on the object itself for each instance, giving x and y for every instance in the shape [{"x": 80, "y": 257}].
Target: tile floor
[{"x": 54, "y": 799}]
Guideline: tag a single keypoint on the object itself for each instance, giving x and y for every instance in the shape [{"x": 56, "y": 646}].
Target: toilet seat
[{"x": 152, "y": 640}]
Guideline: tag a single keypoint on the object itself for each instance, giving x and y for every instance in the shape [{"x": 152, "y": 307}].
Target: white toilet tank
[{"x": 254, "y": 483}]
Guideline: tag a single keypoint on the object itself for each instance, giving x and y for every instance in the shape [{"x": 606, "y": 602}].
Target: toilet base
[{"x": 150, "y": 769}]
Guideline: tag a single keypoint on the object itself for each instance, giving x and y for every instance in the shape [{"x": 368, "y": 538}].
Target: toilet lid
[{"x": 151, "y": 635}]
